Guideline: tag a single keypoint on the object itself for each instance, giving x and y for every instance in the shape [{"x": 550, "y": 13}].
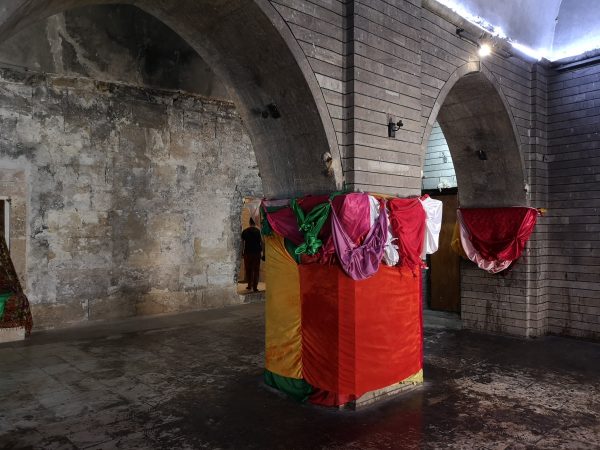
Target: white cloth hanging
[
  {"x": 390, "y": 252},
  {"x": 433, "y": 225}
]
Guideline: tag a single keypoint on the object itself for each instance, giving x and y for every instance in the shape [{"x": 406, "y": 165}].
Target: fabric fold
[
  {"x": 360, "y": 261},
  {"x": 493, "y": 238},
  {"x": 407, "y": 218},
  {"x": 282, "y": 311},
  {"x": 433, "y": 225}
]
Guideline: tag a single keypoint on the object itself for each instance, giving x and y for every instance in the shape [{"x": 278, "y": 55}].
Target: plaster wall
[{"x": 134, "y": 196}]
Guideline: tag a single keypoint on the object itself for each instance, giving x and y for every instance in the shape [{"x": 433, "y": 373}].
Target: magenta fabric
[
  {"x": 353, "y": 213},
  {"x": 360, "y": 261}
]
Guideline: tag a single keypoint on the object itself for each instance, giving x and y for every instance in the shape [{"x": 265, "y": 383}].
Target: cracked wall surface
[{"x": 134, "y": 198}]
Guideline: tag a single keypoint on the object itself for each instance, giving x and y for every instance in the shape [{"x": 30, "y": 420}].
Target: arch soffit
[
  {"x": 18, "y": 14},
  {"x": 466, "y": 69}
]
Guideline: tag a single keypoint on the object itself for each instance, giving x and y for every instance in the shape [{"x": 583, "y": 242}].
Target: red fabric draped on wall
[
  {"x": 499, "y": 234},
  {"x": 358, "y": 336}
]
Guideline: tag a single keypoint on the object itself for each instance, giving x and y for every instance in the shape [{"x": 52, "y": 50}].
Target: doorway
[
  {"x": 250, "y": 210},
  {"x": 442, "y": 278}
]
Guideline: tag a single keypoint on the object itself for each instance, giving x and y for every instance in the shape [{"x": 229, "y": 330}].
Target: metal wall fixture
[
  {"x": 270, "y": 110},
  {"x": 393, "y": 127},
  {"x": 481, "y": 155}
]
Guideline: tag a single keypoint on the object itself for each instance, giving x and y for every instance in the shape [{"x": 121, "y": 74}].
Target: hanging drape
[
  {"x": 17, "y": 312},
  {"x": 433, "y": 224},
  {"x": 499, "y": 233},
  {"x": 407, "y": 217},
  {"x": 493, "y": 238},
  {"x": 360, "y": 261}
]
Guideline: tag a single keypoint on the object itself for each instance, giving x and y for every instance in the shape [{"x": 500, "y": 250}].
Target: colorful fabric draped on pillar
[
  {"x": 359, "y": 336},
  {"x": 282, "y": 310},
  {"x": 494, "y": 238},
  {"x": 339, "y": 323},
  {"x": 16, "y": 307}
]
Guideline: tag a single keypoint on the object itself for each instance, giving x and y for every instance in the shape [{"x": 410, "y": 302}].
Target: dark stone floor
[{"x": 194, "y": 381}]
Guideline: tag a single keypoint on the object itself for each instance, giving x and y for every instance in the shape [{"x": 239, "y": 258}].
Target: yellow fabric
[
  {"x": 417, "y": 378},
  {"x": 456, "y": 244},
  {"x": 282, "y": 316}
]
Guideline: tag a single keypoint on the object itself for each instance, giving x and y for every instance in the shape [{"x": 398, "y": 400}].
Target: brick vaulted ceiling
[{"x": 554, "y": 29}]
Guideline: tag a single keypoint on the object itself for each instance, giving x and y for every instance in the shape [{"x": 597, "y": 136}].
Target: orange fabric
[
  {"x": 282, "y": 310},
  {"x": 358, "y": 336}
]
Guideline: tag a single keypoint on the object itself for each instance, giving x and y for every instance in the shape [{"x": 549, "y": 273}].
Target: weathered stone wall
[
  {"x": 134, "y": 196},
  {"x": 112, "y": 43}
]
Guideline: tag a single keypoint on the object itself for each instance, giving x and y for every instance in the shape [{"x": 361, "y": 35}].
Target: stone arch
[
  {"x": 250, "y": 47},
  {"x": 474, "y": 115}
]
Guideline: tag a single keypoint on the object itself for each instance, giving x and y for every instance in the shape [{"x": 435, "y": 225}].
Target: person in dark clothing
[{"x": 252, "y": 250}]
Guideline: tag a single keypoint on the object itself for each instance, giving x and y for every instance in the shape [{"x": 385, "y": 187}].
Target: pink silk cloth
[
  {"x": 360, "y": 261},
  {"x": 353, "y": 212}
]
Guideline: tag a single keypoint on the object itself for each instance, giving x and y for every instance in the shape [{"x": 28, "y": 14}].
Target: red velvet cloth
[
  {"x": 499, "y": 234},
  {"x": 358, "y": 336},
  {"x": 407, "y": 219}
]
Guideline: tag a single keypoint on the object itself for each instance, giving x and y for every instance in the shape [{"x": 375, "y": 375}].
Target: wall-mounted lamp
[
  {"x": 393, "y": 127},
  {"x": 481, "y": 155},
  {"x": 271, "y": 110}
]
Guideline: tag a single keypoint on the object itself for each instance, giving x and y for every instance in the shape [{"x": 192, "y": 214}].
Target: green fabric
[
  {"x": 265, "y": 226},
  {"x": 311, "y": 225},
  {"x": 3, "y": 298},
  {"x": 291, "y": 249},
  {"x": 299, "y": 390}
]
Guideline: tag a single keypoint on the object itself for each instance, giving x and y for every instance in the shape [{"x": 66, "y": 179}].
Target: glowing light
[
  {"x": 537, "y": 54},
  {"x": 578, "y": 48},
  {"x": 484, "y": 50}
]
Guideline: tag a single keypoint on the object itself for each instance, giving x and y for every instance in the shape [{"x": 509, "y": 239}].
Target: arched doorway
[
  {"x": 249, "y": 46},
  {"x": 168, "y": 268},
  {"x": 478, "y": 131}
]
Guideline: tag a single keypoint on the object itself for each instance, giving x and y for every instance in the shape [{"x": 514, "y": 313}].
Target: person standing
[{"x": 252, "y": 250}]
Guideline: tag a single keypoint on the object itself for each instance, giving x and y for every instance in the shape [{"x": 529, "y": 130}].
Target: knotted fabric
[
  {"x": 407, "y": 217},
  {"x": 282, "y": 219},
  {"x": 360, "y": 261}
]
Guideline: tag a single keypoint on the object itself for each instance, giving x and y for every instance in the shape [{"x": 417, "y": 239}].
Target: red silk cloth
[
  {"x": 358, "y": 336},
  {"x": 407, "y": 219},
  {"x": 499, "y": 234}
]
